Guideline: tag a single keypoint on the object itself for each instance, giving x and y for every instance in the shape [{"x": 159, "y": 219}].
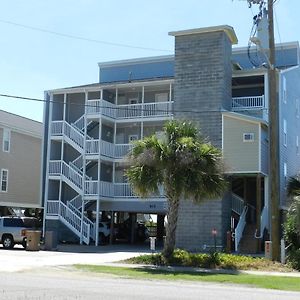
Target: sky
[{"x": 32, "y": 61}]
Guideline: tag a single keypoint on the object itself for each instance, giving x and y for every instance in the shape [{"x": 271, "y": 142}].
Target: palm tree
[
  {"x": 294, "y": 186},
  {"x": 183, "y": 163}
]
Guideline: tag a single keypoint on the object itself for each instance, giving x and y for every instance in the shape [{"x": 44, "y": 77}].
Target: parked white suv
[{"x": 13, "y": 230}]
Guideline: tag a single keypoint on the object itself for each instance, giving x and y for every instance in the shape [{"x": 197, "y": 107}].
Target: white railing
[
  {"x": 157, "y": 109},
  {"x": 70, "y": 218},
  {"x": 122, "y": 149},
  {"x": 57, "y": 127},
  {"x": 76, "y": 201},
  {"x": 92, "y": 147},
  {"x": 58, "y": 167},
  {"x": 108, "y": 109},
  {"x": 144, "y": 110},
  {"x": 91, "y": 187},
  {"x": 248, "y": 103},
  {"x": 78, "y": 162},
  {"x": 237, "y": 204},
  {"x": 264, "y": 219},
  {"x": 55, "y": 167},
  {"x": 129, "y": 111},
  {"x": 123, "y": 190},
  {"x": 107, "y": 149},
  {"x": 52, "y": 208},
  {"x": 73, "y": 175},
  {"x": 74, "y": 134},
  {"x": 106, "y": 189},
  {"x": 64, "y": 128},
  {"x": 240, "y": 228},
  {"x": 79, "y": 124},
  {"x": 73, "y": 166},
  {"x": 85, "y": 219},
  {"x": 95, "y": 107},
  {"x": 74, "y": 222}
]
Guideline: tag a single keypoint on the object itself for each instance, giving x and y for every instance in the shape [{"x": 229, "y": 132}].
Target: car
[
  {"x": 104, "y": 232},
  {"x": 124, "y": 231},
  {"x": 13, "y": 230}
]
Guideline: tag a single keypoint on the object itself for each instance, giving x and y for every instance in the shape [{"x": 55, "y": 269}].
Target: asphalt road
[{"x": 58, "y": 284}]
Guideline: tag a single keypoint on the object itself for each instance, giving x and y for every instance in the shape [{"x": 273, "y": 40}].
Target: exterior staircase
[
  {"x": 70, "y": 213},
  {"x": 248, "y": 243}
]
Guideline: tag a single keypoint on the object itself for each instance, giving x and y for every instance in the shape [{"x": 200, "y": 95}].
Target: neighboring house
[
  {"x": 20, "y": 161},
  {"x": 90, "y": 129}
]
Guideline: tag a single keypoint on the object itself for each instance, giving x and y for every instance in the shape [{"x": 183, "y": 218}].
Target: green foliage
[
  {"x": 209, "y": 260},
  {"x": 180, "y": 160},
  {"x": 292, "y": 234},
  {"x": 294, "y": 186}
]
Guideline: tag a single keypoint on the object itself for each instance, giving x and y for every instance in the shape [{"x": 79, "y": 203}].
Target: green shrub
[
  {"x": 292, "y": 234},
  {"x": 212, "y": 260}
]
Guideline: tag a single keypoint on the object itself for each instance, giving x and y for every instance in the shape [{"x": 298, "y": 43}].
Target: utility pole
[
  {"x": 274, "y": 172},
  {"x": 273, "y": 139}
]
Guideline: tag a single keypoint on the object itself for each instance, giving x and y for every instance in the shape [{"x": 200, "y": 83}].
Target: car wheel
[
  {"x": 101, "y": 238},
  {"x": 8, "y": 242},
  {"x": 24, "y": 244}
]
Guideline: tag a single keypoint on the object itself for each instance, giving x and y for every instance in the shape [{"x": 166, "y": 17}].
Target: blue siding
[
  {"x": 141, "y": 70},
  {"x": 137, "y": 71},
  {"x": 288, "y": 154},
  {"x": 284, "y": 58}
]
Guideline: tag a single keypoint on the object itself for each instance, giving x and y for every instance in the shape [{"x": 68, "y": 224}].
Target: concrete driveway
[{"x": 18, "y": 259}]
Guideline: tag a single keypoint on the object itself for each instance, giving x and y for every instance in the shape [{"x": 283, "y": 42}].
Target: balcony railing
[
  {"x": 107, "y": 149},
  {"x": 129, "y": 111},
  {"x": 248, "y": 103}
]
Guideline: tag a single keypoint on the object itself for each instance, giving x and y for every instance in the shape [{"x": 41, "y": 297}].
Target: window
[
  {"x": 133, "y": 101},
  {"x": 248, "y": 137},
  {"x": 297, "y": 108},
  {"x": 6, "y": 140},
  {"x": 162, "y": 97},
  {"x": 284, "y": 132},
  {"x": 297, "y": 145},
  {"x": 284, "y": 93},
  {"x": 133, "y": 137},
  {"x": 285, "y": 173},
  {"x": 4, "y": 180}
]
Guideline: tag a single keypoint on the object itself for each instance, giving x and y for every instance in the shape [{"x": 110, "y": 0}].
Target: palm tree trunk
[{"x": 171, "y": 227}]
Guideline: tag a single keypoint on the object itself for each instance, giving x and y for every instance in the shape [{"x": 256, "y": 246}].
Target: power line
[
  {"x": 83, "y": 38},
  {"x": 118, "y": 108}
]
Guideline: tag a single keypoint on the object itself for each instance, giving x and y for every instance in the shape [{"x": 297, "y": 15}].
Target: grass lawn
[{"x": 259, "y": 281}]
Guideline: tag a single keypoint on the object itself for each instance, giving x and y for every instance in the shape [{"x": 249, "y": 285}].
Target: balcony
[
  {"x": 252, "y": 105},
  {"x": 129, "y": 111},
  {"x": 118, "y": 151},
  {"x": 248, "y": 103},
  {"x": 109, "y": 189}
]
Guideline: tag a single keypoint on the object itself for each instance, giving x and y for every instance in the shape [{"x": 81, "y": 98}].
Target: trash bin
[
  {"x": 50, "y": 240},
  {"x": 33, "y": 240}
]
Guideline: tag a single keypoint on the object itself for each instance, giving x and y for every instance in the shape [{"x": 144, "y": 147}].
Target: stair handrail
[
  {"x": 76, "y": 201},
  {"x": 240, "y": 227},
  {"x": 79, "y": 123},
  {"x": 72, "y": 174},
  {"x": 85, "y": 219},
  {"x": 72, "y": 165},
  {"x": 237, "y": 203},
  {"x": 264, "y": 222}
]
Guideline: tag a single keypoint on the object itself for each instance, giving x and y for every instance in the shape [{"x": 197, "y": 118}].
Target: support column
[
  {"x": 258, "y": 211},
  {"x": 46, "y": 192},
  {"x": 112, "y": 219},
  {"x": 160, "y": 228}
]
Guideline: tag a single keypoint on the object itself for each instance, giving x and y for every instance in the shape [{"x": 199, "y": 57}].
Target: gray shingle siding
[{"x": 203, "y": 88}]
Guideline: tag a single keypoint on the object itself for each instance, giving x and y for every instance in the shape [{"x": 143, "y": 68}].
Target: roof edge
[{"x": 225, "y": 28}]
